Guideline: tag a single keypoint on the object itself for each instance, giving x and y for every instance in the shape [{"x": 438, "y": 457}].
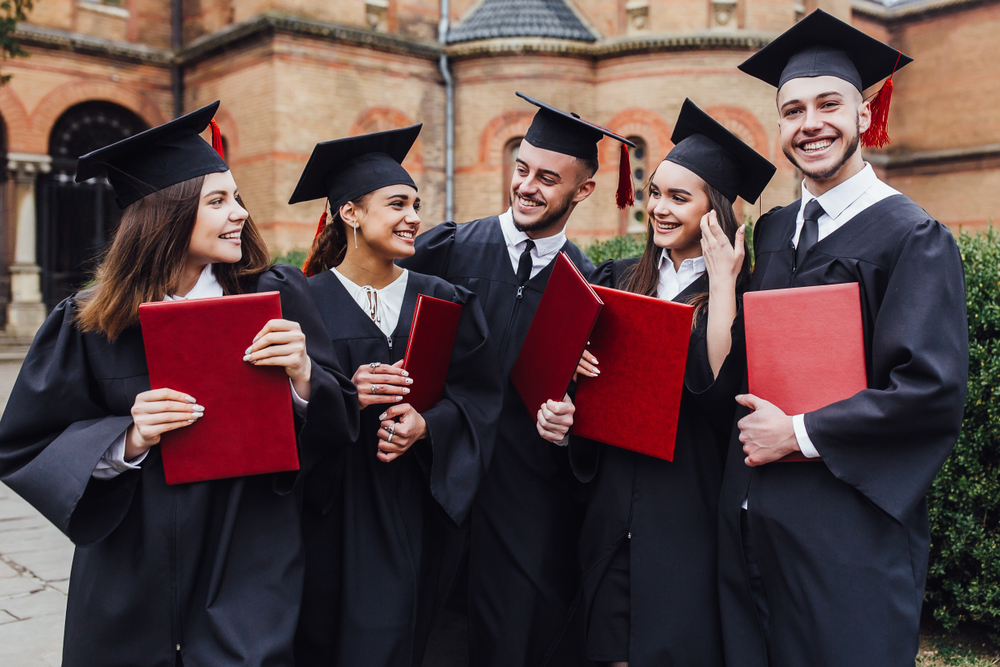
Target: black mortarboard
[
  {"x": 718, "y": 156},
  {"x": 345, "y": 169},
  {"x": 822, "y": 45},
  {"x": 157, "y": 158},
  {"x": 565, "y": 132}
]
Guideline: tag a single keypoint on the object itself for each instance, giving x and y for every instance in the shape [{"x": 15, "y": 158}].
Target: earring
[{"x": 355, "y": 236}]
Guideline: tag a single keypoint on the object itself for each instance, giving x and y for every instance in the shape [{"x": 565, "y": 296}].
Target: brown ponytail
[{"x": 330, "y": 246}]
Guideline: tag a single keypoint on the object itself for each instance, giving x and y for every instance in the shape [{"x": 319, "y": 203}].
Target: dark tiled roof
[{"x": 521, "y": 18}]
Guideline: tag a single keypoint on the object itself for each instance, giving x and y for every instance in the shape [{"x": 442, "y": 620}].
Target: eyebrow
[
  {"x": 217, "y": 192},
  {"x": 554, "y": 174},
  {"x": 829, "y": 93},
  {"x": 680, "y": 191},
  {"x": 401, "y": 195}
]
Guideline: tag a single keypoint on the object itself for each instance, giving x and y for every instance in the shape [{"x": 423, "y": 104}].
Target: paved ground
[{"x": 34, "y": 574}]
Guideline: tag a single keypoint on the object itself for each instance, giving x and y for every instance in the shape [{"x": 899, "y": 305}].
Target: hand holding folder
[
  {"x": 428, "y": 351},
  {"x": 805, "y": 347},
  {"x": 196, "y": 347}
]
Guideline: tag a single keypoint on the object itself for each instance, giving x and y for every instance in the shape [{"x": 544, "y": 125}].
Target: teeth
[
  {"x": 405, "y": 235},
  {"x": 527, "y": 202},
  {"x": 230, "y": 235},
  {"x": 667, "y": 226},
  {"x": 816, "y": 146}
]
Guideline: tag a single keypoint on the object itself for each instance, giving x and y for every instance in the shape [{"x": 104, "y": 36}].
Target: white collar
[
  {"x": 836, "y": 200},
  {"x": 691, "y": 265},
  {"x": 207, "y": 286},
  {"x": 549, "y": 245}
]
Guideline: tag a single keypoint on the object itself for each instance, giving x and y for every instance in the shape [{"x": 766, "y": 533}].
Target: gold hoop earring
[{"x": 355, "y": 236}]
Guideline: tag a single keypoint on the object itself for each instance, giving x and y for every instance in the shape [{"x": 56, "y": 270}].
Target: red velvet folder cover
[
  {"x": 196, "y": 346},
  {"x": 641, "y": 344},
  {"x": 428, "y": 351},
  {"x": 558, "y": 333},
  {"x": 805, "y": 347}
]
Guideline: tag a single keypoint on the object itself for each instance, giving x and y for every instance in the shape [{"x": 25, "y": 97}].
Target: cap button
[{"x": 574, "y": 115}]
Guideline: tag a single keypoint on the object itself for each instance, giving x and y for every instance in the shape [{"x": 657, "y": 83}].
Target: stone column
[{"x": 26, "y": 312}]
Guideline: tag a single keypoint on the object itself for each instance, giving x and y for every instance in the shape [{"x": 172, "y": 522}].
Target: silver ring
[
  {"x": 391, "y": 428},
  {"x": 374, "y": 388},
  {"x": 389, "y": 439},
  {"x": 375, "y": 364}
]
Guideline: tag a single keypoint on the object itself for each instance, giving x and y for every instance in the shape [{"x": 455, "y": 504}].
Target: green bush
[
  {"x": 963, "y": 582},
  {"x": 295, "y": 257}
]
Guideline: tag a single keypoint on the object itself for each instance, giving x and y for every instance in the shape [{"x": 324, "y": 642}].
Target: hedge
[{"x": 963, "y": 582}]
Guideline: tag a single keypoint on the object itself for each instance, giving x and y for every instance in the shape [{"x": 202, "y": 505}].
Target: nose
[
  {"x": 239, "y": 213},
  {"x": 813, "y": 121},
  {"x": 659, "y": 208},
  {"x": 412, "y": 217}
]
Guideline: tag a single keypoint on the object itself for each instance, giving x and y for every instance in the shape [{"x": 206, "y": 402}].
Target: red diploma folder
[
  {"x": 428, "y": 351},
  {"x": 641, "y": 344},
  {"x": 196, "y": 346},
  {"x": 557, "y": 336},
  {"x": 805, "y": 347}
]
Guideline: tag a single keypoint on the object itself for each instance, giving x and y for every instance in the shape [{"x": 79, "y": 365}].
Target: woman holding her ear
[
  {"x": 648, "y": 544},
  {"x": 205, "y": 573},
  {"x": 382, "y": 517}
]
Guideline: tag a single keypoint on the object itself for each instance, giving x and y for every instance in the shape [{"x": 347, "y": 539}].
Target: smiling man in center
[{"x": 523, "y": 570}]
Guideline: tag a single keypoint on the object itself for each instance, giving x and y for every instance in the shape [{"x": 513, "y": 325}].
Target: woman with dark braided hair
[
  {"x": 383, "y": 518},
  {"x": 648, "y": 544}
]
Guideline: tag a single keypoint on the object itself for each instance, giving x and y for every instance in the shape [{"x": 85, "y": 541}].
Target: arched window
[
  {"x": 510, "y": 150},
  {"x": 76, "y": 220},
  {"x": 635, "y": 217}
]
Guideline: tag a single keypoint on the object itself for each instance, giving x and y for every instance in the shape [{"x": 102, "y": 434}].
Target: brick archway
[
  {"x": 53, "y": 105},
  {"x": 497, "y": 133},
  {"x": 380, "y": 119},
  {"x": 17, "y": 123},
  {"x": 744, "y": 125},
  {"x": 230, "y": 134},
  {"x": 640, "y": 123}
]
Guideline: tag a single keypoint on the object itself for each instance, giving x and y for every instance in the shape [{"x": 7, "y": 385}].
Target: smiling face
[
  {"x": 821, "y": 120},
  {"x": 677, "y": 201},
  {"x": 215, "y": 237},
  {"x": 388, "y": 223},
  {"x": 545, "y": 188}
]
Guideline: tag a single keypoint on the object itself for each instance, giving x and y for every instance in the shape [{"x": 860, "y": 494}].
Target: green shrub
[
  {"x": 963, "y": 582},
  {"x": 617, "y": 247},
  {"x": 295, "y": 257}
]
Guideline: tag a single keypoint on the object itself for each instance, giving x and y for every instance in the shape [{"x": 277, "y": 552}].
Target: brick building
[{"x": 294, "y": 72}]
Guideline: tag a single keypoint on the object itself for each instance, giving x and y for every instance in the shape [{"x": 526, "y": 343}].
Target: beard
[
  {"x": 553, "y": 215},
  {"x": 852, "y": 148}
]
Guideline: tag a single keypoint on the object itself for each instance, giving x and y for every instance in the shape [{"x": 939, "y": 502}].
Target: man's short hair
[{"x": 589, "y": 167}]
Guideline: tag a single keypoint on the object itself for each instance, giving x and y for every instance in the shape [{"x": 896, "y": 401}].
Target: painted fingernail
[
  {"x": 190, "y": 399},
  {"x": 409, "y": 380},
  {"x": 247, "y": 351},
  {"x": 405, "y": 374},
  {"x": 406, "y": 390},
  {"x": 399, "y": 398},
  {"x": 190, "y": 421},
  {"x": 382, "y": 416},
  {"x": 256, "y": 338}
]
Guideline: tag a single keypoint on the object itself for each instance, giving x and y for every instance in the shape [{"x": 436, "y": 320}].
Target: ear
[
  {"x": 349, "y": 214},
  {"x": 864, "y": 116},
  {"x": 583, "y": 190}
]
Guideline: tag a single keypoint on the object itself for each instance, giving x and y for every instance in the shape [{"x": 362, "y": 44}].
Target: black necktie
[
  {"x": 810, "y": 230},
  {"x": 524, "y": 264}
]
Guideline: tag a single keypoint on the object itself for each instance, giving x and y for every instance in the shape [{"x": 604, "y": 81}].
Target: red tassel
[
  {"x": 216, "y": 138},
  {"x": 625, "y": 196},
  {"x": 877, "y": 134},
  {"x": 319, "y": 230}
]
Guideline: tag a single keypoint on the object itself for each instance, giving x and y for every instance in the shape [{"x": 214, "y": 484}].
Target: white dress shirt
[
  {"x": 840, "y": 205},
  {"x": 113, "y": 461},
  {"x": 674, "y": 281},
  {"x": 545, "y": 249},
  {"x": 382, "y": 306}
]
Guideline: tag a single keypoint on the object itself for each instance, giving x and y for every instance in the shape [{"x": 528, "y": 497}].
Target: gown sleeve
[
  {"x": 716, "y": 395},
  {"x": 432, "y": 251},
  {"x": 462, "y": 426},
  {"x": 332, "y": 416},
  {"x": 889, "y": 440},
  {"x": 55, "y": 430}
]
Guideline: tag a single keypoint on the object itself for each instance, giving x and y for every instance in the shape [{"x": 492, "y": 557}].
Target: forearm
[{"x": 721, "y": 313}]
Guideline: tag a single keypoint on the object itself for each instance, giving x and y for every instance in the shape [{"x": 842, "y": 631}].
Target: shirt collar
[
  {"x": 207, "y": 286},
  {"x": 691, "y": 265},
  {"x": 514, "y": 237},
  {"x": 836, "y": 200}
]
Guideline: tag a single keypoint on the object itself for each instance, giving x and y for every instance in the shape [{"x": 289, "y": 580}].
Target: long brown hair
[
  {"x": 145, "y": 261},
  {"x": 643, "y": 277},
  {"x": 330, "y": 246}
]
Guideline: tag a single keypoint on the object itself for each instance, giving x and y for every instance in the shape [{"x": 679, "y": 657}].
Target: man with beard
[
  {"x": 524, "y": 525},
  {"x": 824, "y": 562}
]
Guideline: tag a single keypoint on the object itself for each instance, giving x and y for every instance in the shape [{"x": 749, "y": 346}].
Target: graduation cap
[
  {"x": 564, "y": 132},
  {"x": 345, "y": 169},
  {"x": 822, "y": 45},
  {"x": 157, "y": 158},
  {"x": 718, "y": 156}
]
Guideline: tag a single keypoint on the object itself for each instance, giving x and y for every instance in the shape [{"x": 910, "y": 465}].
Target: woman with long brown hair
[
  {"x": 648, "y": 544},
  {"x": 383, "y": 518},
  {"x": 207, "y": 573}
]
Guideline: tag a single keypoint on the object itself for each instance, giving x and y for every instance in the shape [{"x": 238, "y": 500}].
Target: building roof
[{"x": 521, "y": 18}]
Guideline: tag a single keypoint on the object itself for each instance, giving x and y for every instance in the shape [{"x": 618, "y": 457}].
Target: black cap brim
[{"x": 344, "y": 169}]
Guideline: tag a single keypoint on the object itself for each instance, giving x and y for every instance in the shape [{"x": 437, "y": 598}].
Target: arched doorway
[{"x": 76, "y": 220}]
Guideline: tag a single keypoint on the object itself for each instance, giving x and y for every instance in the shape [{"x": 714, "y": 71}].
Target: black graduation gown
[
  {"x": 214, "y": 568},
  {"x": 379, "y": 536},
  {"x": 525, "y": 521},
  {"x": 666, "y": 510},
  {"x": 843, "y": 543}
]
